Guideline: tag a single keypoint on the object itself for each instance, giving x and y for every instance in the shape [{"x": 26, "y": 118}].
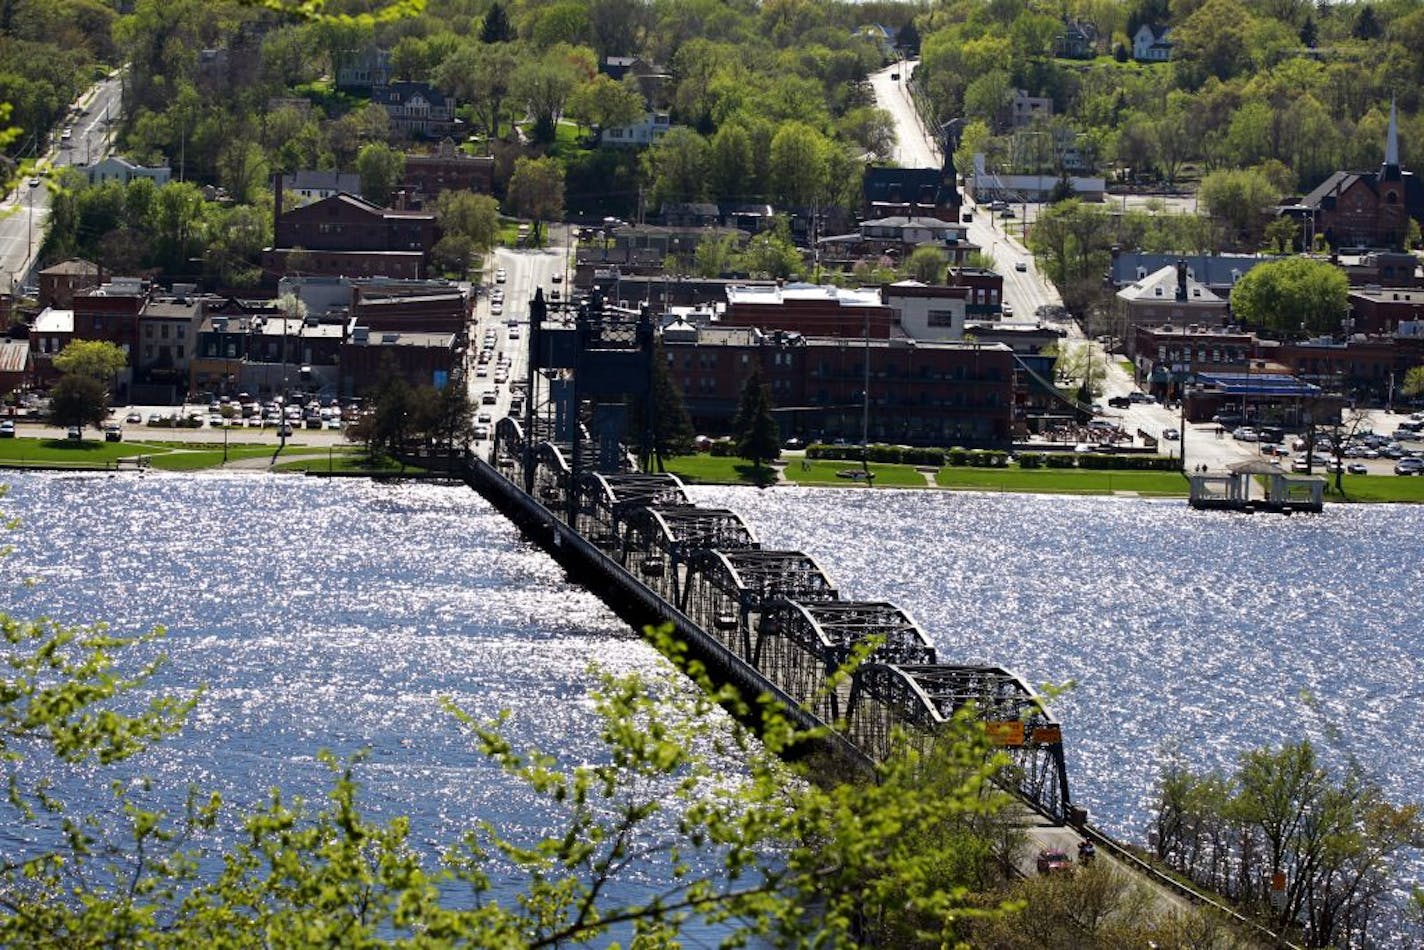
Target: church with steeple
[{"x": 1364, "y": 209}]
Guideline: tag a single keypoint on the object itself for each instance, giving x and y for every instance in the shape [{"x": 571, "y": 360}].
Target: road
[
  {"x": 526, "y": 270},
  {"x": 1025, "y": 291},
  {"x": 24, "y": 212}
]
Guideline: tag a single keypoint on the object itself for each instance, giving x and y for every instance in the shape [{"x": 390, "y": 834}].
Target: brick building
[
  {"x": 59, "y": 283},
  {"x": 381, "y": 309},
  {"x": 446, "y": 169},
  {"x": 1375, "y": 310},
  {"x": 347, "y": 235},
  {"x": 810, "y": 310},
  {"x": 1162, "y": 356},
  {"x": 1169, "y": 296},
  {"x": 986, "y": 292},
  {"x": 920, "y": 393},
  {"x": 1364, "y": 209},
  {"x": 422, "y": 359}
]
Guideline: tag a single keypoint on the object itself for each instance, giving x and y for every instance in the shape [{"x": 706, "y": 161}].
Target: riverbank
[
  {"x": 94, "y": 455},
  {"x": 797, "y": 470}
]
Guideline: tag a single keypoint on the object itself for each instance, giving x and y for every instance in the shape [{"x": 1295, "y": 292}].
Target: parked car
[
  {"x": 1357, "y": 468},
  {"x": 1170, "y": 435},
  {"x": 1054, "y": 861},
  {"x": 7, "y": 429},
  {"x": 74, "y": 433},
  {"x": 113, "y": 432},
  {"x": 1119, "y": 402},
  {"x": 1409, "y": 466},
  {"x": 1021, "y": 267},
  {"x": 558, "y": 278}
]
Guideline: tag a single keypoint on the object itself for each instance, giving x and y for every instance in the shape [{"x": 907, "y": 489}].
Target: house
[
  {"x": 652, "y": 79},
  {"x": 123, "y": 171},
  {"x": 364, "y": 69},
  {"x": 309, "y": 186},
  {"x": 660, "y": 241},
  {"x": 1152, "y": 44},
  {"x": 1369, "y": 209},
  {"x": 1025, "y": 109},
  {"x": 929, "y": 192},
  {"x": 1078, "y": 40},
  {"x": 60, "y": 282},
  {"x": 110, "y": 312},
  {"x": 645, "y": 131},
  {"x": 752, "y": 217},
  {"x": 427, "y": 176},
  {"x": 690, "y": 214},
  {"x": 1219, "y": 272},
  {"x": 416, "y": 109},
  {"x": 1171, "y": 295}
]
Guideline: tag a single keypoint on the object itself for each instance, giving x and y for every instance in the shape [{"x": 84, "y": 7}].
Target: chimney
[{"x": 1181, "y": 280}]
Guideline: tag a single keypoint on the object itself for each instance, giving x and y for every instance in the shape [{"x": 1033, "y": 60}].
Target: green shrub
[
  {"x": 1060, "y": 460},
  {"x": 1031, "y": 460},
  {"x": 958, "y": 457},
  {"x": 722, "y": 448},
  {"x": 1133, "y": 463}
]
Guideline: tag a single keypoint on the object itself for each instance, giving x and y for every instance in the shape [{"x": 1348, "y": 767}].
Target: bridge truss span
[{"x": 925, "y": 697}]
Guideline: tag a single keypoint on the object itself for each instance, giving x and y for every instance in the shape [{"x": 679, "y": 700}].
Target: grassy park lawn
[
  {"x": 718, "y": 470},
  {"x": 96, "y": 453},
  {"x": 1065, "y": 481},
  {"x": 1378, "y": 488},
  {"x": 348, "y": 458},
  {"x": 826, "y": 472}
]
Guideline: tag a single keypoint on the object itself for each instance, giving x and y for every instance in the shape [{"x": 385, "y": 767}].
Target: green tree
[
  {"x": 731, "y": 166},
  {"x": 381, "y": 169},
  {"x": 676, "y": 167},
  {"x": 1293, "y": 296},
  {"x": 471, "y": 216},
  {"x": 799, "y": 165},
  {"x": 771, "y": 254},
  {"x": 757, "y": 436},
  {"x": 1240, "y": 201},
  {"x": 536, "y": 191},
  {"x": 78, "y": 400},
  {"x": 1072, "y": 242},
  {"x": 926, "y": 264},
  {"x": 605, "y": 103},
  {"x": 872, "y": 129},
  {"x": 481, "y": 75},
  {"x": 544, "y": 84},
  {"x": 99, "y": 360},
  {"x": 668, "y": 431},
  {"x": 1413, "y": 384},
  {"x": 496, "y": 28}
]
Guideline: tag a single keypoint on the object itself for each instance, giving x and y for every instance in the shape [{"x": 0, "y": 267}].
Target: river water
[{"x": 335, "y": 614}]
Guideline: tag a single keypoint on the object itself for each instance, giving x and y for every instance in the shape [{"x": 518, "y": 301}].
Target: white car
[
  {"x": 500, "y": 276},
  {"x": 482, "y": 433},
  {"x": 496, "y": 308}
]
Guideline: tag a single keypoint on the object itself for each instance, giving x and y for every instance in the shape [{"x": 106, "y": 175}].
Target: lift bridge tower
[{"x": 584, "y": 366}]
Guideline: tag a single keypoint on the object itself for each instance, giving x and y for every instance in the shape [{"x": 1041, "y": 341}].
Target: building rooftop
[
  {"x": 773, "y": 296},
  {"x": 51, "y": 320},
  {"x": 1162, "y": 285}
]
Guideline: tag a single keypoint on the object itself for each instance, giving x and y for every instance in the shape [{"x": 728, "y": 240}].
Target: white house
[
  {"x": 1152, "y": 44},
  {"x": 647, "y": 130},
  {"x": 124, "y": 171},
  {"x": 309, "y": 186}
]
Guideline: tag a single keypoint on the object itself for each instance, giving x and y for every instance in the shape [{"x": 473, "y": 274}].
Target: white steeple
[{"x": 1391, "y": 145}]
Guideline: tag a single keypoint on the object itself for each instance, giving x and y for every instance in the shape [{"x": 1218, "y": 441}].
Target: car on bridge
[{"x": 1054, "y": 861}]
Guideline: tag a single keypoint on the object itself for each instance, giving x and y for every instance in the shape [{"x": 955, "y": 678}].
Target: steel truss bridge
[{"x": 865, "y": 668}]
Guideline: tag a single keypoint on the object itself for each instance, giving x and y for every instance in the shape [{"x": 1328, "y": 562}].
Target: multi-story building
[
  {"x": 919, "y": 393},
  {"x": 416, "y": 109},
  {"x": 446, "y": 169},
  {"x": 811, "y": 310}
]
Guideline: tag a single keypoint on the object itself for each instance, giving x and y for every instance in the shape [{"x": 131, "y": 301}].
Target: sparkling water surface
[{"x": 336, "y": 614}]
